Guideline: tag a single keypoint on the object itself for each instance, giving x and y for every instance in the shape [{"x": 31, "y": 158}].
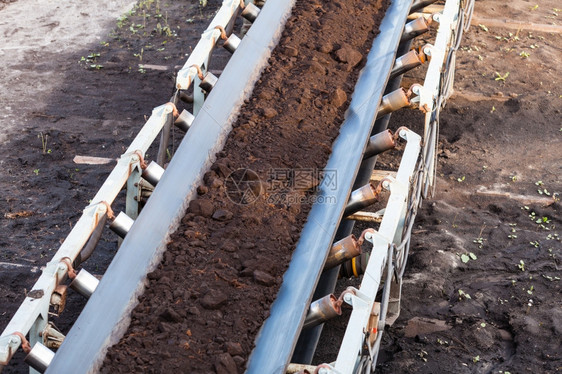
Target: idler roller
[
  {"x": 84, "y": 283},
  {"x": 322, "y": 310},
  {"x": 414, "y": 28},
  {"x": 153, "y": 173},
  {"x": 121, "y": 224},
  {"x": 362, "y": 198},
  {"x": 393, "y": 101},
  {"x": 341, "y": 251},
  {"x": 355, "y": 267},
  {"x": 406, "y": 63},
  {"x": 39, "y": 357},
  {"x": 379, "y": 143}
]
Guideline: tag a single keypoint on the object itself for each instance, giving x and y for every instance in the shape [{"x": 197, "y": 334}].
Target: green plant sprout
[{"x": 500, "y": 77}]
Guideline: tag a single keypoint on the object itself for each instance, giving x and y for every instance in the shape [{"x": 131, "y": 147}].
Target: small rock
[
  {"x": 202, "y": 190},
  {"x": 225, "y": 364},
  {"x": 317, "y": 68},
  {"x": 229, "y": 247},
  {"x": 216, "y": 183},
  {"x": 263, "y": 278},
  {"x": 325, "y": 47},
  {"x": 213, "y": 299},
  {"x": 239, "y": 360},
  {"x": 291, "y": 51},
  {"x": 221, "y": 169},
  {"x": 170, "y": 315},
  {"x": 234, "y": 349},
  {"x": 338, "y": 97},
  {"x": 349, "y": 55},
  {"x": 266, "y": 95},
  {"x": 222, "y": 215},
  {"x": 269, "y": 112},
  {"x": 193, "y": 311},
  {"x": 422, "y": 325},
  {"x": 201, "y": 207}
]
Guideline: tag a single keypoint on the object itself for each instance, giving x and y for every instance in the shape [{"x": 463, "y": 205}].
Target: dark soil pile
[{"x": 208, "y": 298}]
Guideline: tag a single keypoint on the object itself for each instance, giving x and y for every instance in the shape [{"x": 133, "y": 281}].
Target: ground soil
[{"x": 499, "y": 147}]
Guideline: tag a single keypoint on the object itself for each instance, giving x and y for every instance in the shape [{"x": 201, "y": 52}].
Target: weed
[
  {"x": 475, "y": 359},
  {"x": 483, "y": 27},
  {"x": 500, "y": 77},
  {"x": 463, "y": 295},
  {"x": 530, "y": 290},
  {"x": 535, "y": 7},
  {"x": 521, "y": 265},
  {"x": 535, "y": 244},
  {"x": 524, "y": 54},
  {"x": 36, "y": 171},
  {"x": 461, "y": 179},
  {"x": 139, "y": 55},
  {"x": 44, "y": 139}
]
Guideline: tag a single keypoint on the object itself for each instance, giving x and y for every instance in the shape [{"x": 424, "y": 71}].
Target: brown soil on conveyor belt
[{"x": 208, "y": 298}]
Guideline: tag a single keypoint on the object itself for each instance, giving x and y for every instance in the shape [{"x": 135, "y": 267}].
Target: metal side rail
[
  {"x": 31, "y": 318},
  {"x": 453, "y": 18},
  {"x": 368, "y": 318}
]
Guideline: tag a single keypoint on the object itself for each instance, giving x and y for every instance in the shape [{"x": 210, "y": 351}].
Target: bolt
[
  {"x": 324, "y": 371},
  {"x": 403, "y": 133},
  {"x": 347, "y": 298},
  {"x": 62, "y": 267},
  {"x": 368, "y": 236},
  {"x": 386, "y": 185}
]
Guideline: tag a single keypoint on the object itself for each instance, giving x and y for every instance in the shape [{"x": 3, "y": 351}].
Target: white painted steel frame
[
  {"x": 32, "y": 315},
  {"x": 430, "y": 90},
  {"x": 364, "y": 299}
]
